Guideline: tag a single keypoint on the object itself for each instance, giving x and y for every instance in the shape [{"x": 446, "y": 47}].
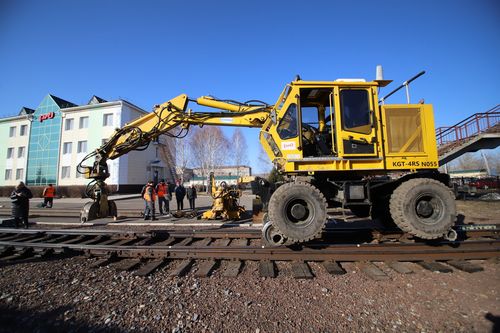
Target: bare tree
[
  {"x": 265, "y": 165},
  {"x": 493, "y": 157},
  {"x": 209, "y": 147},
  {"x": 469, "y": 161},
  {"x": 239, "y": 148},
  {"x": 183, "y": 155}
]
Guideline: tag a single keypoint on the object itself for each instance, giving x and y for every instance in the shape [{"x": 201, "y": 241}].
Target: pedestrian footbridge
[{"x": 479, "y": 131}]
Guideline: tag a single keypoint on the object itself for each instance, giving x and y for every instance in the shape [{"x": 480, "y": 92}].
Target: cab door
[{"x": 355, "y": 119}]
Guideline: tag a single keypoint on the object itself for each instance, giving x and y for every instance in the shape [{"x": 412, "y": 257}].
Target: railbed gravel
[{"x": 68, "y": 295}]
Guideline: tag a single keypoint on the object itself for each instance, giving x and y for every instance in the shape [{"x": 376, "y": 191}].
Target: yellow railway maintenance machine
[{"x": 336, "y": 142}]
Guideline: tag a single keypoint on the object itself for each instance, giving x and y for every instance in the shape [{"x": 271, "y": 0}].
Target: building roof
[
  {"x": 216, "y": 177},
  {"x": 96, "y": 100},
  {"x": 132, "y": 104},
  {"x": 61, "y": 102},
  {"x": 25, "y": 111},
  {"x": 467, "y": 171},
  {"x": 227, "y": 167}
]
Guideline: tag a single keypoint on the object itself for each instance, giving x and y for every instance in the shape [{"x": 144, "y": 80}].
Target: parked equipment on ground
[
  {"x": 336, "y": 142},
  {"x": 225, "y": 204}
]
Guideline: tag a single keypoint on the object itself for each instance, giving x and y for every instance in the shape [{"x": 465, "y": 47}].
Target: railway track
[{"x": 147, "y": 251}]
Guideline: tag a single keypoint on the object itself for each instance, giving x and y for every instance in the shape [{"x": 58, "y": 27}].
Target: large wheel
[
  {"x": 423, "y": 207},
  {"x": 298, "y": 211}
]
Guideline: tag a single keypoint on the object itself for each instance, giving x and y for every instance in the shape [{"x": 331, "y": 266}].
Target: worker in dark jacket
[
  {"x": 180, "y": 193},
  {"x": 191, "y": 195},
  {"x": 149, "y": 197},
  {"x": 20, "y": 204}
]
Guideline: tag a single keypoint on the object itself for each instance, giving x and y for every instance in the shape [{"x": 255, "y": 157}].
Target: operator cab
[
  {"x": 317, "y": 126},
  {"x": 325, "y": 122}
]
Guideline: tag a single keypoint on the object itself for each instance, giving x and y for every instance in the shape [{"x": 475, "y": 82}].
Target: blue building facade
[{"x": 44, "y": 143}]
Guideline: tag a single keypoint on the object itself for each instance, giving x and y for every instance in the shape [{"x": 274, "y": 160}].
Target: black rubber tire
[
  {"x": 113, "y": 211},
  {"x": 407, "y": 196},
  {"x": 313, "y": 202},
  {"x": 360, "y": 210}
]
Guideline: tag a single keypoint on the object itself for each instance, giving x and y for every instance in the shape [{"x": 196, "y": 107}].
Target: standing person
[
  {"x": 191, "y": 195},
  {"x": 21, "y": 204},
  {"x": 48, "y": 196},
  {"x": 143, "y": 190},
  {"x": 149, "y": 198},
  {"x": 180, "y": 193},
  {"x": 163, "y": 192}
]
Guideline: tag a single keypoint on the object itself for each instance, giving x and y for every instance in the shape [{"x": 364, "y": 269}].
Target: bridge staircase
[{"x": 479, "y": 131}]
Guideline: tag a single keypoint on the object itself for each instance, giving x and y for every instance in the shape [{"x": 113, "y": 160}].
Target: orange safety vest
[
  {"x": 49, "y": 192},
  {"x": 146, "y": 195},
  {"x": 161, "y": 190}
]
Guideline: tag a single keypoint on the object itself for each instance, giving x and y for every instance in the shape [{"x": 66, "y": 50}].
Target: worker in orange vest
[
  {"x": 48, "y": 196},
  {"x": 150, "y": 198},
  {"x": 163, "y": 195}
]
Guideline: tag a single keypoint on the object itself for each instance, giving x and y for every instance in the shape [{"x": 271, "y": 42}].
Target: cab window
[
  {"x": 287, "y": 127},
  {"x": 355, "y": 108}
]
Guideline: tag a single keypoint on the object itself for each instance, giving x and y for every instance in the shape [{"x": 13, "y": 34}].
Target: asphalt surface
[{"x": 67, "y": 211}]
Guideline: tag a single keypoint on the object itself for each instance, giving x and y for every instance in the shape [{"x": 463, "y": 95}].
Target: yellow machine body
[
  {"x": 382, "y": 138},
  {"x": 335, "y": 141}
]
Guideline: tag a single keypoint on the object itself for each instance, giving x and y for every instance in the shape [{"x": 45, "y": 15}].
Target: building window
[
  {"x": 20, "y": 152},
  {"x": 84, "y": 122},
  {"x": 19, "y": 174},
  {"x": 12, "y": 131},
  {"x": 10, "y": 153},
  {"x": 8, "y": 174},
  {"x": 67, "y": 147},
  {"x": 82, "y": 147},
  {"x": 65, "y": 172},
  {"x": 107, "y": 119},
  {"x": 24, "y": 130},
  {"x": 68, "y": 124}
]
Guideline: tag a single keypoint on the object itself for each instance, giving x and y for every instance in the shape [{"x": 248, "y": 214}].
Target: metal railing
[{"x": 469, "y": 127}]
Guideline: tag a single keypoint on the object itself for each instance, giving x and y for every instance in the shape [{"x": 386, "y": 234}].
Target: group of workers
[
  {"x": 21, "y": 195},
  {"x": 161, "y": 192}
]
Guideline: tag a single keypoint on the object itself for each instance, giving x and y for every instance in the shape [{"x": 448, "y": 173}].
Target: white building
[
  {"x": 46, "y": 145},
  {"x": 14, "y": 140},
  {"x": 228, "y": 174}
]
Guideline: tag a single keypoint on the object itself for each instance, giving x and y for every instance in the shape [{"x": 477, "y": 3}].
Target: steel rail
[
  {"x": 482, "y": 249},
  {"x": 471, "y": 230}
]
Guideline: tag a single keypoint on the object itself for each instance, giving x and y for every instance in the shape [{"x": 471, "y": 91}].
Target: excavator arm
[{"x": 164, "y": 118}]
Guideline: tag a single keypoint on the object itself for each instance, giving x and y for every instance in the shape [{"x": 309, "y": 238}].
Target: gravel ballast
[{"x": 69, "y": 295}]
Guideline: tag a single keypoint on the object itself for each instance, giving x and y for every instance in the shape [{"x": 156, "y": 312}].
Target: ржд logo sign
[{"x": 46, "y": 116}]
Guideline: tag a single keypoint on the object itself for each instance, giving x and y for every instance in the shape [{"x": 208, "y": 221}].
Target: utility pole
[{"x": 486, "y": 164}]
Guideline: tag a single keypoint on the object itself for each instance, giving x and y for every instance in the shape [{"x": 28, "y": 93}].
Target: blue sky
[{"x": 150, "y": 51}]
